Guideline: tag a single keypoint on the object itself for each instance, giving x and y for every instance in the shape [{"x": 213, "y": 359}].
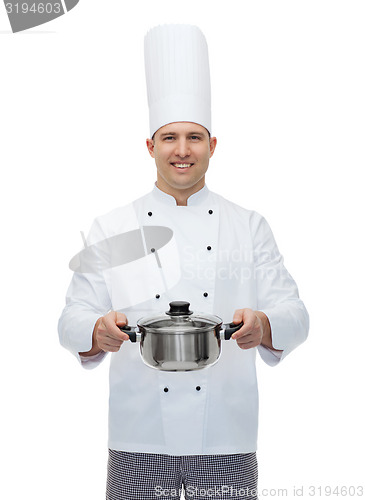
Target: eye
[
  {"x": 168, "y": 138},
  {"x": 195, "y": 138}
]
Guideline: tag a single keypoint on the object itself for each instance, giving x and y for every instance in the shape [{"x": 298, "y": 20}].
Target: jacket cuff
[
  {"x": 84, "y": 326},
  {"x": 90, "y": 362},
  {"x": 289, "y": 329},
  {"x": 270, "y": 356}
]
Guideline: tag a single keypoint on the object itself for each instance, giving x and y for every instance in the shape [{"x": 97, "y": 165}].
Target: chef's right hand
[{"x": 108, "y": 337}]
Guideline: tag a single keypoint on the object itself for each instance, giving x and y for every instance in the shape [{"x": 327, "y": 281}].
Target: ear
[
  {"x": 213, "y": 143},
  {"x": 151, "y": 147}
]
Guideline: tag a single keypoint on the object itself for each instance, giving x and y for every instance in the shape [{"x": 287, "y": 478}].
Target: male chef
[{"x": 192, "y": 430}]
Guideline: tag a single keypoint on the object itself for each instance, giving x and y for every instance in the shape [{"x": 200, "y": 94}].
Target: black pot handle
[
  {"x": 229, "y": 329},
  {"x": 129, "y": 330}
]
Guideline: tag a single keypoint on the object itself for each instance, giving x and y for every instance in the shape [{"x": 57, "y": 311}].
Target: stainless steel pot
[{"x": 180, "y": 340}]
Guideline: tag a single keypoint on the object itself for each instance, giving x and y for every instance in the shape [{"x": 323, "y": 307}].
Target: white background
[{"x": 288, "y": 86}]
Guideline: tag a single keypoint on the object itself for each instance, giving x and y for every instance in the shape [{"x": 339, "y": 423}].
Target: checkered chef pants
[{"x": 142, "y": 476}]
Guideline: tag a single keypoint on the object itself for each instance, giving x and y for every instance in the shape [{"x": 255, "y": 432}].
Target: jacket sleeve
[
  {"x": 277, "y": 295},
  {"x": 87, "y": 299}
]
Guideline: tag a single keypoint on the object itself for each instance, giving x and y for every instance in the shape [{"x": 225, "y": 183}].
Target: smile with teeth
[{"x": 182, "y": 165}]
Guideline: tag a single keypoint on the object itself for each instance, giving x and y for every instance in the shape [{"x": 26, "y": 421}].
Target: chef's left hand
[{"x": 251, "y": 333}]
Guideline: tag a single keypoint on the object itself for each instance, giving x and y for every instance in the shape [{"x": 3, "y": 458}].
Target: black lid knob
[{"x": 179, "y": 308}]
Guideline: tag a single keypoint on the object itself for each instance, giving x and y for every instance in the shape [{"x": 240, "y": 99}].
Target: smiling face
[{"x": 181, "y": 151}]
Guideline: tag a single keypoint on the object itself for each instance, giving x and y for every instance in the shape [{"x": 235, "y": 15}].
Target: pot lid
[{"x": 180, "y": 319}]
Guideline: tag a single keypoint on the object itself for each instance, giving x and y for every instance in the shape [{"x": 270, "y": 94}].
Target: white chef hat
[{"x": 177, "y": 75}]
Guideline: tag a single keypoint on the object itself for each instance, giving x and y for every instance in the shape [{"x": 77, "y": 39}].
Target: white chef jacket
[{"x": 220, "y": 258}]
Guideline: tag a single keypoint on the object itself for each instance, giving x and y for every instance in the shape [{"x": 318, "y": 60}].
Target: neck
[{"x": 181, "y": 195}]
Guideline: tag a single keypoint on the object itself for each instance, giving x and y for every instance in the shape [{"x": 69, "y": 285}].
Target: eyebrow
[{"x": 189, "y": 133}]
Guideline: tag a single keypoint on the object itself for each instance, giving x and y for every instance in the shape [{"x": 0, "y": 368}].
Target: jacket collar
[{"x": 197, "y": 198}]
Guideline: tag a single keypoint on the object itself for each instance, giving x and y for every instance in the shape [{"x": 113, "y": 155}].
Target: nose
[{"x": 182, "y": 148}]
